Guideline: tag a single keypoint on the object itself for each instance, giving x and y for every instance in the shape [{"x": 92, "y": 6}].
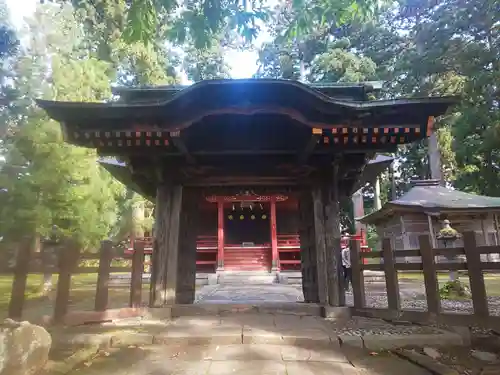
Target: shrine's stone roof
[{"x": 429, "y": 196}]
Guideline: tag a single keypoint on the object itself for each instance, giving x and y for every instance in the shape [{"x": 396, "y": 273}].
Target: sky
[{"x": 243, "y": 63}]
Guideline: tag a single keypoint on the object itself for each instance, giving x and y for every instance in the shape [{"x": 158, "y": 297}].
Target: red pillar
[
  {"x": 274, "y": 236},
  {"x": 220, "y": 235}
]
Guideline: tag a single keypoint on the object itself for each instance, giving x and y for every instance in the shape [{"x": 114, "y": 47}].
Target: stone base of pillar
[
  {"x": 213, "y": 279},
  {"x": 336, "y": 312}
]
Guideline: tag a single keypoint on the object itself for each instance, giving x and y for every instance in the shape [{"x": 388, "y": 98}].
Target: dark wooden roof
[
  {"x": 345, "y": 91},
  {"x": 221, "y": 131},
  {"x": 298, "y": 101},
  {"x": 429, "y": 196},
  {"x": 230, "y": 108}
]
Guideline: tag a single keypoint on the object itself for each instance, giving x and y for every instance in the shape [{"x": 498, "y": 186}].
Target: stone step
[{"x": 247, "y": 278}]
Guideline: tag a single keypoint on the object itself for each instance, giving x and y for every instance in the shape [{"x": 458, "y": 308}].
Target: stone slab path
[
  {"x": 248, "y": 343},
  {"x": 245, "y": 359}
]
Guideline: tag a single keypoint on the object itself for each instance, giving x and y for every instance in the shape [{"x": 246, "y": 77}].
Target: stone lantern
[{"x": 448, "y": 236}]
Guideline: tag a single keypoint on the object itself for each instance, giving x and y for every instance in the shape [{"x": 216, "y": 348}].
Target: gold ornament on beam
[
  {"x": 230, "y": 217},
  {"x": 252, "y": 217},
  {"x": 242, "y": 217},
  {"x": 264, "y": 217}
]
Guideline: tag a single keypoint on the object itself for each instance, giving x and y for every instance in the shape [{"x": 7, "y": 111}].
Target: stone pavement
[
  {"x": 246, "y": 359},
  {"x": 250, "y": 343}
]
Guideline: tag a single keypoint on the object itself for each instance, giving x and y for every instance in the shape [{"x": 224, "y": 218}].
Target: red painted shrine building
[
  {"x": 246, "y": 174},
  {"x": 251, "y": 232}
]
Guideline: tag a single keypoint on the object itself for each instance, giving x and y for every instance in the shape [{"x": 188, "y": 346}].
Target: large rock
[{"x": 24, "y": 348}]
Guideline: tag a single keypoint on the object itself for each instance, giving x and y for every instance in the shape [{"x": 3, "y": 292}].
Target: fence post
[
  {"x": 68, "y": 259},
  {"x": 358, "y": 279},
  {"x": 136, "y": 276},
  {"x": 21, "y": 271},
  {"x": 102, "y": 287},
  {"x": 430, "y": 276},
  {"x": 391, "y": 276},
  {"x": 476, "y": 277}
]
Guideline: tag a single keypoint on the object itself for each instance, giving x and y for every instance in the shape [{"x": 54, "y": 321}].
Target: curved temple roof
[
  {"x": 300, "y": 102},
  {"x": 222, "y": 132},
  {"x": 429, "y": 196}
]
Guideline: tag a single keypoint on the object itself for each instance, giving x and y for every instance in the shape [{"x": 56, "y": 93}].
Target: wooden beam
[
  {"x": 308, "y": 149},
  {"x": 169, "y": 152},
  {"x": 181, "y": 146}
]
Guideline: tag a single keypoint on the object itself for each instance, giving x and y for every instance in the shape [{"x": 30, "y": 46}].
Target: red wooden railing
[{"x": 288, "y": 250}]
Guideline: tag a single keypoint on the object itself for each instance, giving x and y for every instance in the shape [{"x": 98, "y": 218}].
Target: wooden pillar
[
  {"x": 220, "y": 235},
  {"x": 186, "y": 273},
  {"x": 166, "y": 246},
  {"x": 274, "y": 236},
  {"x": 336, "y": 291},
  {"x": 320, "y": 243},
  {"x": 359, "y": 210},
  {"x": 377, "y": 203},
  {"x": 307, "y": 247}
]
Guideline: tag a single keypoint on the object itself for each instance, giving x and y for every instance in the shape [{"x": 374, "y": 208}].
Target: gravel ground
[
  {"x": 359, "y": 326},
  {"x": 413, "y": 298}
]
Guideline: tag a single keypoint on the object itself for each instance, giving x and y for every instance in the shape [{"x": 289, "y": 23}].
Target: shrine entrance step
[{"x": 246, "y": 277}]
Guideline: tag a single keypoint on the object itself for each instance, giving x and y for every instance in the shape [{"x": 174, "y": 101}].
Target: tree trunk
[
  {"x": 45, "y": 254},
  {"x": 138, "y": 219}
]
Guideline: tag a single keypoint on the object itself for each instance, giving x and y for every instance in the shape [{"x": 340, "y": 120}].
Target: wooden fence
[
  {"x": 68, "y": 263},
  {"x": 434, "y": 314},
  {"x": 69, "y": 259}
]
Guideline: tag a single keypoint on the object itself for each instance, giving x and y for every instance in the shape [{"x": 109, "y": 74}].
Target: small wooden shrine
[
  {"x": 424, "y": 208},
  {"x": 264, "y": 146}
]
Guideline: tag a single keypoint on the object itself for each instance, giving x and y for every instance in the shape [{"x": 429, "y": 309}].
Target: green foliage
[
  {"x": 447, "y": 233},
  {"x": 206, "y": 63},
  {"x": 115, "y": 262},
  {"x": 372, "y": 238},
  {"x": 48, "y": 182},
  {"x": 455, "y": 290},
  {"x": 9, "y": 44}
]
